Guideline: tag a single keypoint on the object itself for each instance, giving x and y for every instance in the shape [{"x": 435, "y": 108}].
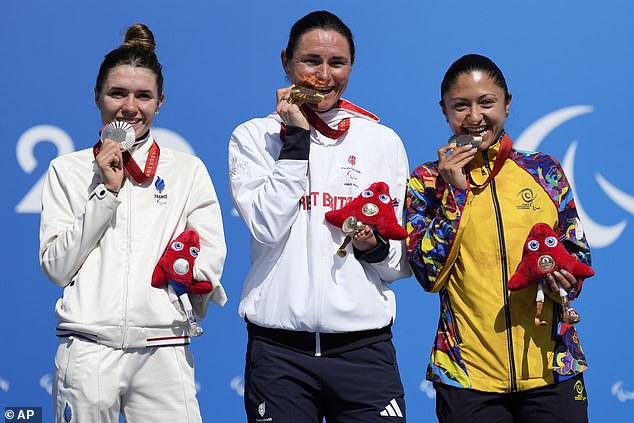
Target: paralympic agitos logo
[{"x": 599, "y": 236}]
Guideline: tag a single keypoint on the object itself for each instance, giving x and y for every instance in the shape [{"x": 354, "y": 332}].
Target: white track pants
[{"x": 94, "y": 383}]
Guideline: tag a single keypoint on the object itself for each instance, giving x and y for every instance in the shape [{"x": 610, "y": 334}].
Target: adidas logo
[{"x": 392, "y": 410}]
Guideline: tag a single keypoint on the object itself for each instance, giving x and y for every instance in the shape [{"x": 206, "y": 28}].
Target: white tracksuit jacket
[
  {"x": 103, "y": 249},
  {"x": 296, "y": 281}
]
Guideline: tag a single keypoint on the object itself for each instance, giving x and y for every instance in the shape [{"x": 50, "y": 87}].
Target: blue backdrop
[{"x": 567, "y": 63}]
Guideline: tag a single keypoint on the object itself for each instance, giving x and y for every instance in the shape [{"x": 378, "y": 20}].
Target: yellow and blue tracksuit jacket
[{"x": 466, "y": 244}]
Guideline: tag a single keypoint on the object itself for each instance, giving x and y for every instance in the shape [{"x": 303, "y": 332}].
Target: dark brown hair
[
  {"x": 321, "y": 19},
  {"x": 469, "y": 63},
  {"x": 137, "y": 50}
]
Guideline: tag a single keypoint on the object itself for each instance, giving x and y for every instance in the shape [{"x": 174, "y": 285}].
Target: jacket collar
[{"x": 140, "y": 148}]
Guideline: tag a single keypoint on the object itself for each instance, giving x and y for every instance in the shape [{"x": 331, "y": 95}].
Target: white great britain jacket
[
  {"x": 296, "y": 281},
  {"x": 103, "y": 249}
]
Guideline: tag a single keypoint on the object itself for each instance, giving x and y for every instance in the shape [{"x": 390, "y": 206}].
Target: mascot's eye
[
  {"x": 551, "y": 241},
  {"x": 384, "y": 198},
  {"x": 194, "y": 251},
  {"x": 367, "y": 193},
  {"x": 177, "y": 245},
  {"x": 533, "y": 245}
]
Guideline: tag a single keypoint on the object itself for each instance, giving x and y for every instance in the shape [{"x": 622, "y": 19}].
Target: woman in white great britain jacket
[
  {"x": 105, "y": 224},
  {"x": 319, "y": 325}
]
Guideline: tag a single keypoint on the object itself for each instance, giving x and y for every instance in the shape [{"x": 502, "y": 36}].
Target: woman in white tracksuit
[
  {"x": 319, "y": 325},
  {"x": 107, "y": 218}
]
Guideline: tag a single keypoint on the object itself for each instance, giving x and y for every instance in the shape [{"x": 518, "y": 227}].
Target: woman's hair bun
[
  {"x": 140, "y": 36},
  {"x": 137, "y": 50}
]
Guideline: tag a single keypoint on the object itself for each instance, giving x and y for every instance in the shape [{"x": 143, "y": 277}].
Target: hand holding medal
[
  {"x": 115, "y": 138},
  {"x": 112, "y": 156},
  {"x": 350, "y": 227}
]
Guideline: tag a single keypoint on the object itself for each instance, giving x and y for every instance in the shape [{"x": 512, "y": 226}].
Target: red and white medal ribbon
[{"x": 132, "y": 168}]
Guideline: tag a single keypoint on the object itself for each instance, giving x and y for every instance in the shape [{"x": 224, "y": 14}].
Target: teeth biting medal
[{"x": 123, "y": 133}]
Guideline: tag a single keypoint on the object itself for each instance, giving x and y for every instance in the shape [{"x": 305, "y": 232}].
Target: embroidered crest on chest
[
  {"x": 159, "y": 196},
  {"x": 351, "y": 172},
  {"x": 527, "y": 200}
]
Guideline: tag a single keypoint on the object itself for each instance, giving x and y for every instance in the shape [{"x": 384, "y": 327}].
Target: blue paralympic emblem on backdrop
[{"x": 599, "y": 236}]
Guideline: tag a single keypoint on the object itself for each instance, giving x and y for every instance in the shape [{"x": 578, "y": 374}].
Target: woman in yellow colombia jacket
[{"x": 468, "y": 215}]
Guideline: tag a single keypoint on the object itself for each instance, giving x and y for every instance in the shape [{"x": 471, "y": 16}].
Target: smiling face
[
  {"x": 129, "y": 94},
  {"x": 321, "y": 61},
  {"x": 474, "y": 104}
]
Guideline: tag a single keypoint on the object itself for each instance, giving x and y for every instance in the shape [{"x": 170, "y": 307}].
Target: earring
[{"x": 157, "y": 112}]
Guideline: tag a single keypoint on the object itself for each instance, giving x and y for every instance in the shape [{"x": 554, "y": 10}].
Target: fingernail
[
  {"x": 557, "y": 273},
  {"x": 564, "y": 272}
]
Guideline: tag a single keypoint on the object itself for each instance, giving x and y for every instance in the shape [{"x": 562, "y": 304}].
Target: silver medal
[{"x": 121, "y": 132}]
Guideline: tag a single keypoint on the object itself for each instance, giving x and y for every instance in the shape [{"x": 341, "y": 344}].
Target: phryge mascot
[
  {"x": 373, "y": 207},
  {"x": 175, "y": 268},
  {"x": 543, "y": 254}
]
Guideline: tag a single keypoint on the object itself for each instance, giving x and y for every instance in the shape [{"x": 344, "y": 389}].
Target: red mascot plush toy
[
  {"x": 544, "y": 254},
  {"x": 175, "y": 269},
  {"x": 373, "y": 207}
]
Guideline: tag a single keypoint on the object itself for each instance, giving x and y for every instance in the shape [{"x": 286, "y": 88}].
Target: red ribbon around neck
[
  {"x": 322, "y": 127},
  {"x": 132, "y": 168},
  {"x": 503, "y": 153}
]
